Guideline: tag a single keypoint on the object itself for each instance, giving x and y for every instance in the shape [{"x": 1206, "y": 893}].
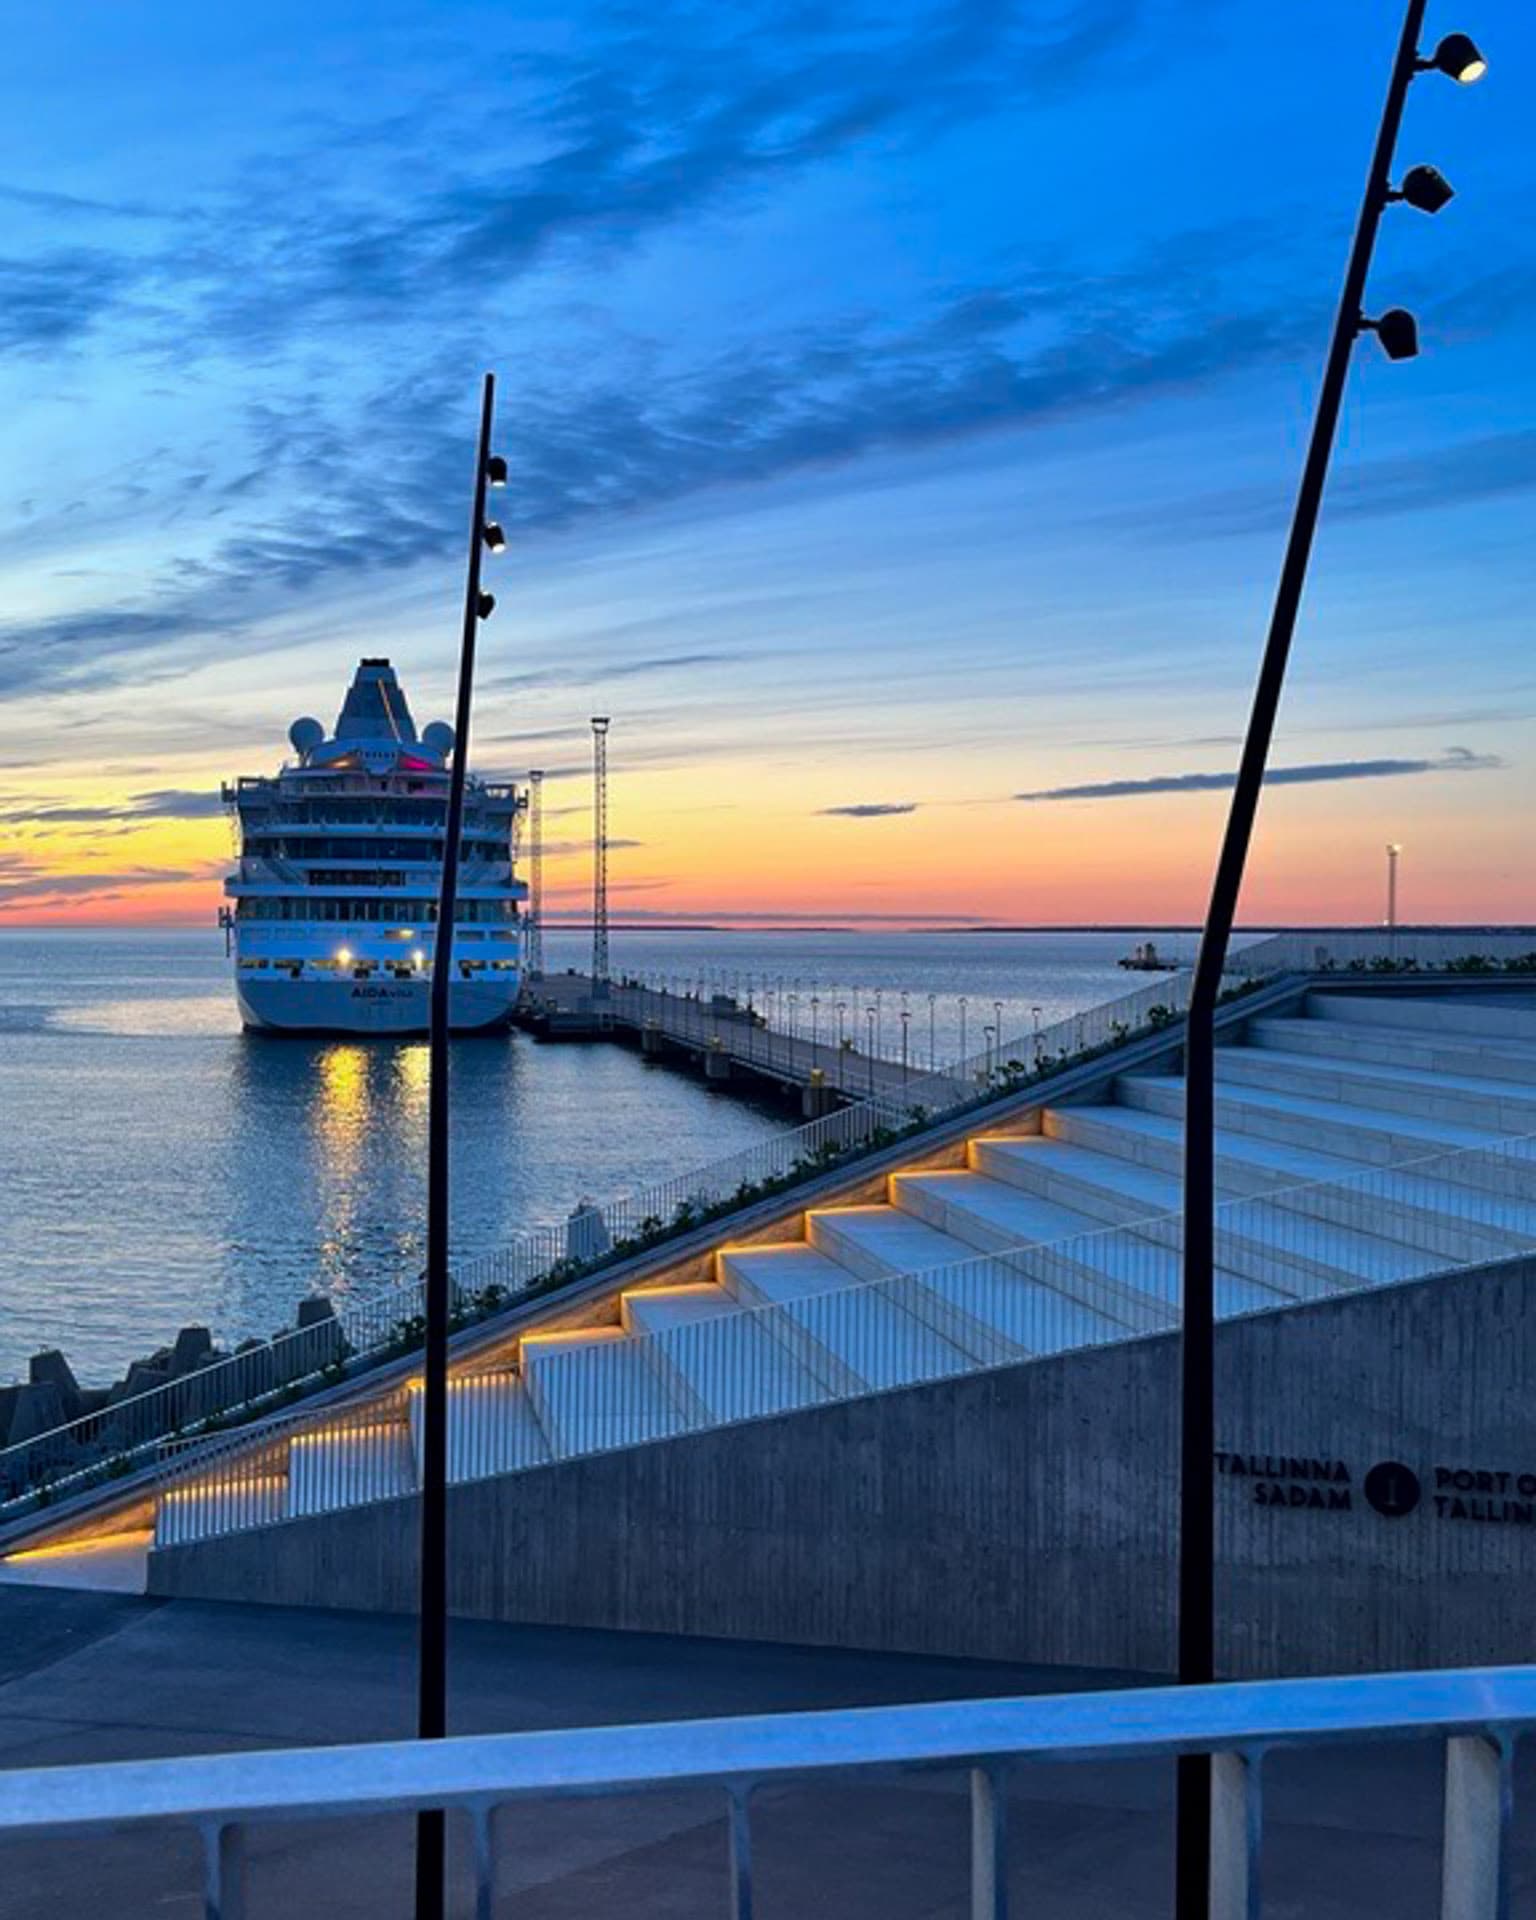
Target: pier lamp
[
  {"x": 1398, "y": 332},
  {"x": 1457, "y": 56},
  {"x": 344, "y": 956},
  {"x": 432, "y": 1676},
  {"x": 1425, "y": 189}
]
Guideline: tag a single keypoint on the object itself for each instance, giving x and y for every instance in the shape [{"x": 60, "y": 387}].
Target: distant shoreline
[{"x": 1118, "y": 927}]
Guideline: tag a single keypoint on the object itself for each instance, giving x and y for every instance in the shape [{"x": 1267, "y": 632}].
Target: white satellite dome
[
  {"x": 438, "y": 737},
  {"x": 306, "y": 735}
]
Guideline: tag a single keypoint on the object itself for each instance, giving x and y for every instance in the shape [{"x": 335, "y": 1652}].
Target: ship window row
[
  {"x": 375, "y": 877},
  {"x": 317, "y": 847},
  {"x": 327, "y": 813},
  {"x": 391, "y": 912}
]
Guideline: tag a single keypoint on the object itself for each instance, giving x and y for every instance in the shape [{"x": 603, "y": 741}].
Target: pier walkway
[{"x": 722, "y": 1036}]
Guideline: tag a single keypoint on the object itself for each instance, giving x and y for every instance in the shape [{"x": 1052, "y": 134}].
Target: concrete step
[
  {"x": 1496, "y": 1106},
  {"x": 1486, "y": 1012},
  {"x": 347, "y": 1464},
  {"x": 597, "y": 1388},
  {"x": 1256, "y": 1241},
  {"x": 874, "y": 1242},
  {"x": 986, "y": 1214},
  {"x": 832, "y": 1322},
  {"x": 492, "y": 1426},
  {"x": 112, "y": 1563},
  {"x": 1101, "y": 1188},
  {"x": 229, "y": 1500},
  {"x": 992, "y": 1309},
  {"x": 721, "y": 1360},
  {"x": 1421, "y": 1048},
  {"x": 1361, "y": 1133},
  {"x": 1456, "y": 1223},
  {"x": 1114, "y": 1269}
]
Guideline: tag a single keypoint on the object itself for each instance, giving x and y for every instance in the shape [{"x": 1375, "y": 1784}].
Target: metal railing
[
  {"x": 375, "y": 1327},
  {"x": 1388, "y": 949},
  {"x": 1285, "y": 1243},
  {"x": 1478, "y": 1714}
]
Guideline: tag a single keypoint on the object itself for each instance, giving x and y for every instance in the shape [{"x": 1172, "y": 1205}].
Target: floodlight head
[
  {"x": 1457, "y": 56},
  {"x": 1426, "y": 188},
  {"x": 496, "y": 471},
  {"x": 1398, "y": 332},
  {"x": 495, "y": 538},
  {"x": 485, "y": 606}
]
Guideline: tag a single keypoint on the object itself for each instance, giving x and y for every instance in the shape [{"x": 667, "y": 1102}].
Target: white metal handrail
[{"x": 1478, "y": 1713}]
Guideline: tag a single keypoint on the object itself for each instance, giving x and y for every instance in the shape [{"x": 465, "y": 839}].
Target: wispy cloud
[
  {"x": 599, "y": 673},
  {"x": 162, "y": 803},
  {"x": 869, "y": 809},
  {"x": 1453, "y": 760}
]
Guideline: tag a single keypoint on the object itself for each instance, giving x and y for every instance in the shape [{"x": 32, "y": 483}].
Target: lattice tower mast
[
  {"x": 534, "y": 960},
  {"x": 600, "y": 852}
]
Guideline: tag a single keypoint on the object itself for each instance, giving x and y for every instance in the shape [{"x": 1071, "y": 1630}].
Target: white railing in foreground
[{"x": 1478, "y": 1714}]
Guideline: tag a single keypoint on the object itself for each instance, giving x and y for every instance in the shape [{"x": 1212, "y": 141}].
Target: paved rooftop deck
[{"x": 103, "y": 1677}]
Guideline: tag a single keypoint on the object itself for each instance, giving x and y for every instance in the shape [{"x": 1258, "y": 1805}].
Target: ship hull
[{"x": 278, "y": 1004}]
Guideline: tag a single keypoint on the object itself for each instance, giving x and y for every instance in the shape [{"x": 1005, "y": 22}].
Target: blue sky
[{"x": 904, "y": 407}]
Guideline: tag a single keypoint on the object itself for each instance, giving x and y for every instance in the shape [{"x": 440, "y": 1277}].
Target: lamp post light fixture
[
  {"x": 1457, "y": 57},
  {"x": 1397, "y": 330},
  {"x": 432, "y": 1675},
  {"x": 1425, "y": 188},
  {"x": 1460, "y": 59}
]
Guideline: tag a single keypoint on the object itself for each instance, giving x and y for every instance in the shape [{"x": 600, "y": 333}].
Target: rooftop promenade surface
[{"x": 89, "y": 1677}]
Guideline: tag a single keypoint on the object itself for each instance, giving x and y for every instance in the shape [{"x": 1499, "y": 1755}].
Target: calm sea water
[{"x": 159, "y": 1167}]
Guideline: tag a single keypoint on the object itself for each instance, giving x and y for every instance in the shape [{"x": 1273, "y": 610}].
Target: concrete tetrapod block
[{"x": 50, "y": 1368}]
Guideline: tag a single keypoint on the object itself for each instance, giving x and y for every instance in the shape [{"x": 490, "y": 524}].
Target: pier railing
[
  {"x": 1420, "y": 1218},
  {"x": 372, "y": 1328},
  {"x": 1475, "y": 1715}
]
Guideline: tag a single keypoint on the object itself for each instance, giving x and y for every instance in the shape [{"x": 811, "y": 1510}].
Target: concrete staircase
[{"x": 1042, "y": 1241}]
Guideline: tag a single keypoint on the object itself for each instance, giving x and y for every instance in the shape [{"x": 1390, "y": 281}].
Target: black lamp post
[
  {"x": 432, "y": 1692},
  {"x": 1425, "y": 189}
]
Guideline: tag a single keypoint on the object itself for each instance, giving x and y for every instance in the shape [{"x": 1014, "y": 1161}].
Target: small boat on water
[{"x": 1147, "y": 959}]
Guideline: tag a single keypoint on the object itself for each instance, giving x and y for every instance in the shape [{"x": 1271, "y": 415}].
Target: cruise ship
[{"x": 333, "y": 908}]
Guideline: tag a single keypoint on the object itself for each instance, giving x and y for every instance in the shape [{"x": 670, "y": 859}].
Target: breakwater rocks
[{"x": 51, "y": 1426}]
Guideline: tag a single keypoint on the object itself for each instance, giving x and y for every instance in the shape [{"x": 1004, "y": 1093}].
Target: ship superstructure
[{"x": 334, "y": 905}]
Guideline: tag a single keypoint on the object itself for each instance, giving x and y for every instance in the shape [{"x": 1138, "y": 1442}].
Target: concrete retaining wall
[{"x": 1027, "y": 1514}]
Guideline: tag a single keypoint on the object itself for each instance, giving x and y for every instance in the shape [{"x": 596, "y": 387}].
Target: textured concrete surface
[
  {"x": 1026, "y": 1513},
  {"x": 97, "y": 1677}
]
